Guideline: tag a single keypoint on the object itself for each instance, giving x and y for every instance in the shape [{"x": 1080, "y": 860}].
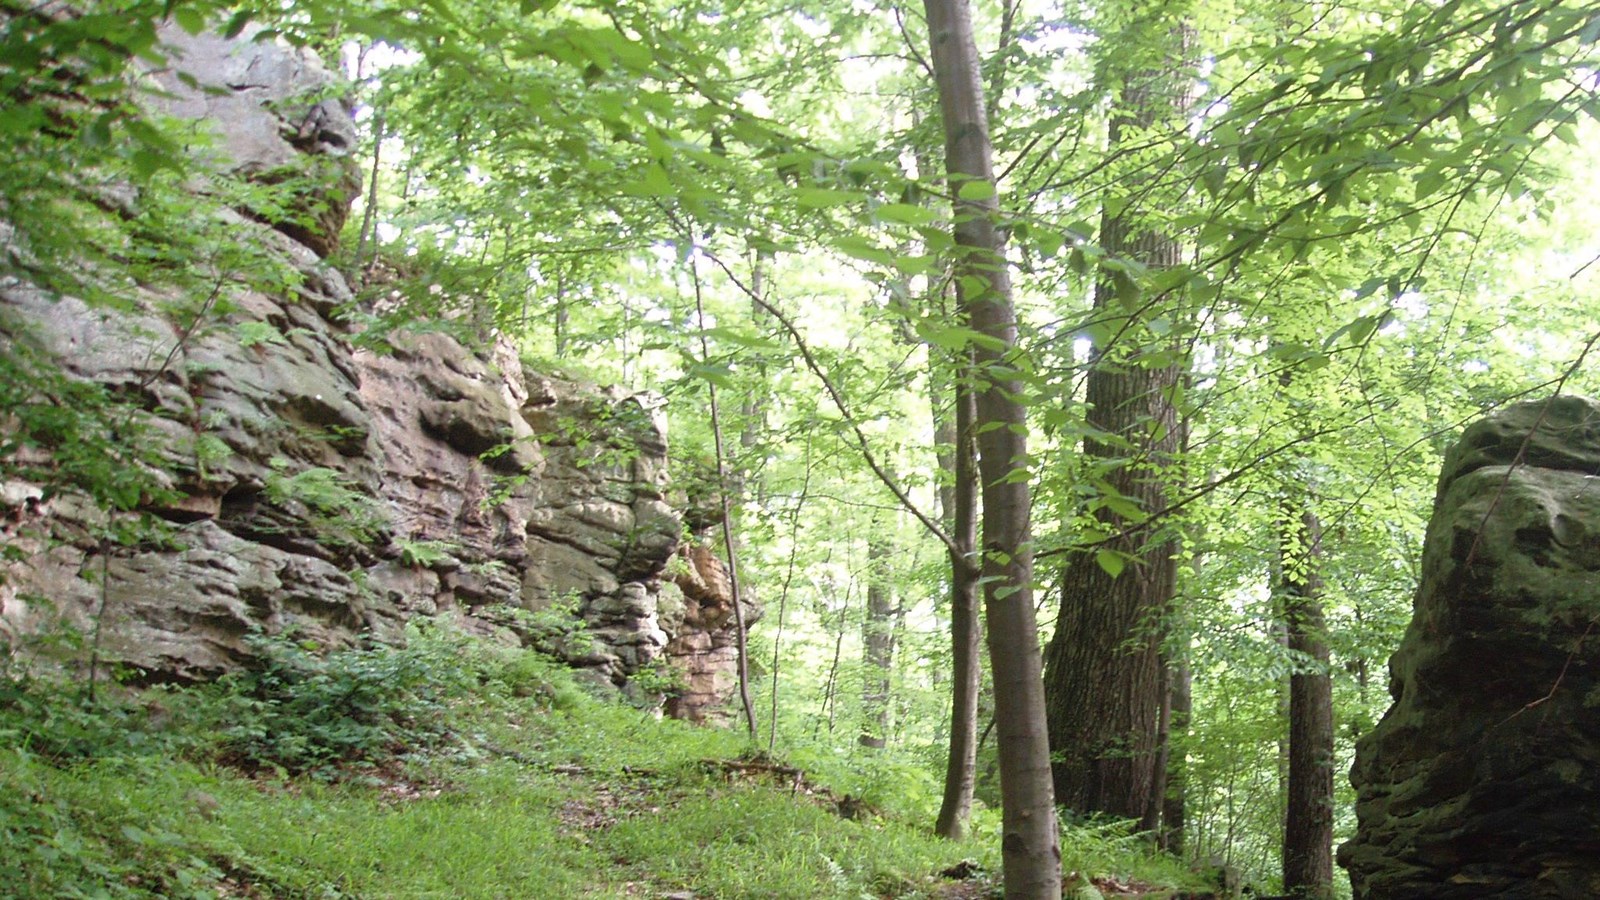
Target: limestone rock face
[
  {"x": 322, "y": 484},
  {"x": 698, "y": 609},
  {"x": 274, "y": 114},
  {"x": 1483, "y": 779}
]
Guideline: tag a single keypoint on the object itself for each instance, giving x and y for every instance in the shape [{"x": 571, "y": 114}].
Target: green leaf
[
  {"x": 956, "y": 338},
  {"x": 822, "y": 198},
  {"x": 189, "y": 19},
  {"x": 1358, "y": 329},
  {"x": 236, "y": 25},
  {"x": 905, "y": 214},
  {"x": 975, "y": 190},
  {"x": 716, "y": 374},
  {"x": 1048, "y": 242},
  {"x": 250, "y": 334},
  {"x": 1428, "y": 182},
  {"x": 741, "y": 338},
  {"x": 1111, "y": 561},
  {"x": 857, "y": 247},
  {"x": 1127, "y": 289},
  {"x": 654, "y": 183}
]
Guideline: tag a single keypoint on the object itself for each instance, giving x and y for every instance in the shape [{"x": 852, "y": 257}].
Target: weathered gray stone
[
  {"x": 336, "y": 490},
  {"x": 274, "y": 114},
  {"x": 1483, "y": 779}
]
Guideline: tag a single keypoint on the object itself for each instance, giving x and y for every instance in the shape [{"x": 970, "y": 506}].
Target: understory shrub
[{"x": 299, "y": 711}]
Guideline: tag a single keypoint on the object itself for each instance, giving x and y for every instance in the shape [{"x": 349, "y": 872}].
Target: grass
[{"x": 534, "y": 790}]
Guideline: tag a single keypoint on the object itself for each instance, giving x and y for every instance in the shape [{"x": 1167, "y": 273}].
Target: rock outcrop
[
  {"x": 698, "y": 608},
  {"x": 1483, "y": 779},
  {"x": 339, "y": 491}
]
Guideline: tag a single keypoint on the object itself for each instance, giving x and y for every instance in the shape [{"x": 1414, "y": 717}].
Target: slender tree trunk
[
  {"x": 1150, "y": 822},
  {"x": 1103, "y": 675},
  {"x": 1174, "y": 810},
  {"x": 950, "y": 393},
  {"x": 1308, "y": 821},
  {"x": 966, "y": 630},
  {"x": 877, "y": 646},
  {"x": 830, "y": 687},
  {"x": 724, "y": 488},
  {"x": 753, "y": 407},
  {"x": 369, "y": 216},
  {"x": 1029, "y": 847},
  {"x": 563, "y": 339}
]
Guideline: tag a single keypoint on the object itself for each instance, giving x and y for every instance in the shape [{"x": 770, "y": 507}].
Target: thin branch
[{"x": 863, "y": 444}]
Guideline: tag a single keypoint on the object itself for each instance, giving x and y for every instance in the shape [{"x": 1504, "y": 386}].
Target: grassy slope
[{"x": 550, "y": 795}]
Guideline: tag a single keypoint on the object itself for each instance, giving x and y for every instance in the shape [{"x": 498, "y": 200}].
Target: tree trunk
[
  {"x": 1030, "y": 852},
  {"x": 966, "y": 631},
  {"x": 1174, "y": 808},
  {"x": 1308, "y": 822},
  {"x": 877, "y": 646},
  {"x": 1150, "y": 822},
  {"x": 830, "y": 686},
  {"x": 951, "y": 380},
  {"x": 1103, "y": 675},
  {"x": 753, "y": 406},
  {"x": 740, "y": 628}
]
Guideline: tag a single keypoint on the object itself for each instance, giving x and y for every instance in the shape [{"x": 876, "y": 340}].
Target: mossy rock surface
[{"x": 1483, "y": 779}]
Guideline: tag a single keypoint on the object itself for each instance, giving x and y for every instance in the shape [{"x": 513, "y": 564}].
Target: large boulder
[{"x": 1483, "y": 779}]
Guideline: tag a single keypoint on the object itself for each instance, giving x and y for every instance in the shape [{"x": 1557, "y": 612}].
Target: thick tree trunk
[
  {"x": 1103, "y": 672},
  {"x": 1029, "y": 847},
  {"x": 877, "y": 646},
  {"x": 1104, "y": 662},
  {"x": 966, "y": 631},
  {"x": 1308, "y": 822}
]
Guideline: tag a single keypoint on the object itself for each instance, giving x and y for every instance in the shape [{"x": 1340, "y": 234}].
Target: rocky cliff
[
  {"x": 1483, "y": 779},
  {"x": 329, "y": 481}
]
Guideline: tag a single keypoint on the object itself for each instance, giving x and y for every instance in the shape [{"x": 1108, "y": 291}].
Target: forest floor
[{"x": 534, "y": 790}]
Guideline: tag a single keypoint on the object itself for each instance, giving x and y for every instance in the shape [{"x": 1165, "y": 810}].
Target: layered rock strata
[{"x": 325, "y": 481}]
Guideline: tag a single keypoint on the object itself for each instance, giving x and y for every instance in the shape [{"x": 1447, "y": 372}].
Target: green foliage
[
  {"x": 557, "y": 627},
  {"x": 658, "y": 679},
  {"x": 65, "y": 434},
  {"x": 426, "y": 554},
  {"x": 298, "y": 711},
  {"x": 1109, "y": 848},
  {"x": 255, "y": 334},
  {"x": 569, "y": 795},
  {"x": 1369, "y": 203},
  {"x": 61, "y": 840},
  {"x": 340, "y": 515},
  {"x": 45, "y": 720}
]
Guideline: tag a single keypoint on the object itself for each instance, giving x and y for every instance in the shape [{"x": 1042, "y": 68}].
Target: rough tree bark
[
  {"x": 1308, "y": 819},
  {"x": 1030, "y": 851},
  {"x": 1103, "y": 672}
]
